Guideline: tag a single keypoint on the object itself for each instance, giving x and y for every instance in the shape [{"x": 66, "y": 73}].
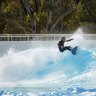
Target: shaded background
[{"x": 47, "y": 16}]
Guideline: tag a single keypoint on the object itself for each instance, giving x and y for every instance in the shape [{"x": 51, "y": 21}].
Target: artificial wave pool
[{"x": 37, "y": 68}]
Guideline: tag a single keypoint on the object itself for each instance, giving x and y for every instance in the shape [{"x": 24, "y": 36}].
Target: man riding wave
[{"x": 61, "y": 46}]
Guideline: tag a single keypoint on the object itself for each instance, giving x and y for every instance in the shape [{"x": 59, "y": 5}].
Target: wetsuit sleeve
[{"x": 69, "y": 40}]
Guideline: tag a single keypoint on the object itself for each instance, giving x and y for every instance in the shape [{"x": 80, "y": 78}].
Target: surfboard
[{"x": 74, "y": 50}]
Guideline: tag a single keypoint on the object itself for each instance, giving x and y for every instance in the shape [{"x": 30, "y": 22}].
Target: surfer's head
[{"x": 63, "y": 38}]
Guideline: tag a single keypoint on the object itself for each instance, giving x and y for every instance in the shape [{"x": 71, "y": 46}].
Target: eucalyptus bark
[
  {"x": 49, "y": 22},
  {"x": 29, "y": 11}
]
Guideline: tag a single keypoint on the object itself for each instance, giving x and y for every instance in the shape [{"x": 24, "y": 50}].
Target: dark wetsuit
[{"x": 61, "y": 46}]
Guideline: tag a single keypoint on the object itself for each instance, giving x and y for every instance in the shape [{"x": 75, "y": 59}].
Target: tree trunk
[
  {"x": 28, "y": 10},
  {"x": 36, "y": 5},
  {"x": 49, "y": 22},
  {"x": 34, "y": 31}
]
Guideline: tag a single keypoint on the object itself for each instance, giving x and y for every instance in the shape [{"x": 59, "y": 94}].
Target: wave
[
  {"x": 43, "y": 65},
  {"x": 46, "y": 66},
  {"x": 38, "y": 92}
]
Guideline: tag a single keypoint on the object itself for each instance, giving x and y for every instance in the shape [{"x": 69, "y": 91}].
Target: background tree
[{"x": 46, "y": 16}]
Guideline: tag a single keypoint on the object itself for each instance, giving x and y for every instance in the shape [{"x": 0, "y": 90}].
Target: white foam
[
  {"x": 88, "y": 94},
  {"x": 18, "y": 68},
  {"x": 21, "y": 67}
]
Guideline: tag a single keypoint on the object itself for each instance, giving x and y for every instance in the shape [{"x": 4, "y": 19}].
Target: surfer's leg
[
  {"x": 61, "y": 49},
  {"x": 67, "y": 48}
]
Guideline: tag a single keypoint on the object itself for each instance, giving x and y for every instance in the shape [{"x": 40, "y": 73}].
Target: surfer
[{"x": 61, "y": 46}]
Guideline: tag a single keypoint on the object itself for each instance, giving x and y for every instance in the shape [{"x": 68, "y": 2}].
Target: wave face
[
  {"x": 47, "y": 66},
  {"x": 44, "y": 68}
]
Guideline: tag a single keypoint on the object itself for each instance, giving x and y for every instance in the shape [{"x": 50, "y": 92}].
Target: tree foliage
[{"x": 46, "y": 16}]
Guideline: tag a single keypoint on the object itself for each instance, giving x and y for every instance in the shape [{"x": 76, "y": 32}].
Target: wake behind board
[{"x": 74, "y": 50}]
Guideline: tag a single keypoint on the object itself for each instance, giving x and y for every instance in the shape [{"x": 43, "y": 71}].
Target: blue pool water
[{"x": 41, "y": 70}]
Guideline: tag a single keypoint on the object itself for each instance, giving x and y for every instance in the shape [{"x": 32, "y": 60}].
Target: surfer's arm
[{"x": 69, "y": 40}]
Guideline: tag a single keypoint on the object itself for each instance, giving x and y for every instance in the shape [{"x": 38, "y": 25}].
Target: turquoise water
[{"x": 39, "y": 69}]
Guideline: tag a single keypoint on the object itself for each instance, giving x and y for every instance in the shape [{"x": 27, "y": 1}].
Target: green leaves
[{"x": 67, "y": 15}]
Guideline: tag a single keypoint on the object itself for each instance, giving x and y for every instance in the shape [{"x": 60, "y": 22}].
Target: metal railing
[{"x": 43, "y": 37}]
